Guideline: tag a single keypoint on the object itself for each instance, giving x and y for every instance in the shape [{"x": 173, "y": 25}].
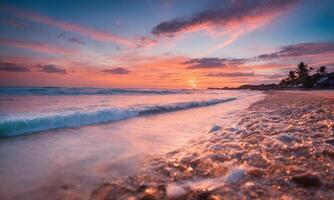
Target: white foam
[
  {"x": 234, "y": 176},
  {"x": 174, "y": 191}
]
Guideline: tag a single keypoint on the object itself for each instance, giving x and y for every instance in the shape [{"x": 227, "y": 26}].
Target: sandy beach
[{"x": 281, "y": 147}]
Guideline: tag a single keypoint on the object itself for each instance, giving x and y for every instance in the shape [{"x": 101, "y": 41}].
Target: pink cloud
[
  {"x": 232, "y": 19},
  {"x": 224, "y": 15},
  {"x": 40, "y": 47},
  {"x": 95, "y": 34}
]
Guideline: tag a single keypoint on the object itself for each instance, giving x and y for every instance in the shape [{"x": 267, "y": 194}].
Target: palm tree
[
  {"x": 322, "y": 70},
  {"x": 302, "y": 71},
  {"x": 303, "y": 75},
  {"x": 283, "y": 82},
  {"x": 292, "y": 75}
]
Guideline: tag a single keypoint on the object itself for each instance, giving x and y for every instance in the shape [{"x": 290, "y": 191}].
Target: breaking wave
[{"x": 30, "y": 123}]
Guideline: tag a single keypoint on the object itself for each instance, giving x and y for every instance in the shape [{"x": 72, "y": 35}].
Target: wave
[
  {"x": 19, "y": 125},
  {"x": 82, "y": 91}
]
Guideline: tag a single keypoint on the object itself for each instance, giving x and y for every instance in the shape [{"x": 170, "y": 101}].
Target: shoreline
[
  {"x": 281, "y": 147},
  {"x": 265, "y": 88},
  {"x": 69, "y": 163}
]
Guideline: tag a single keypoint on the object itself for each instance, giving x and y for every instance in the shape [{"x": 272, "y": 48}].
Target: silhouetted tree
[
  {"x": 303, "y": 76},
  {"x": 292, "y": 75},
  {"x": 302, "y": 71},
  {"x": 283, "y": 83},
  {"x": 290, "y": 80},
  {"x": 322, "y": 70}
]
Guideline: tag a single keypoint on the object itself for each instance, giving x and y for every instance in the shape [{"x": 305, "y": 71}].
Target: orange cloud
[
  {"x": 40, "y": 47},
  {"x": 236, "y": 29}
]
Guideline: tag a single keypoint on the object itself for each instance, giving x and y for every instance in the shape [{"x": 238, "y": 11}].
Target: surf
[{"x": 35, "y": 122}]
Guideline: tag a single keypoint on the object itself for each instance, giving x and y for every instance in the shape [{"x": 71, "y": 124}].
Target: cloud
[
  {"x": 93, "y": 33},
  {"x": 198, "y": 63},
  {"x": 14, "y": 23},
  {"x": 76, "y": 40},
  {"x": 11, "y": 67},
  {"x": 71, "y": 39},
  {"x": 61, "y": 36},
  {"x": 276, "y": 76},
  {"x": 291, "y": 51},
  {"x": 231, "y": 74},
  {"x": 145, "y": 42},
  {"x": 328, "y": 64},
  {"x": 37, "y": 46},
  {"x": 233, "y": 19},
  {"x": 51, "y": 69},
  {"x": 116, "y": 70},
  {"x": 223, "y": 15},
  {"x": 302, "y": 49}
]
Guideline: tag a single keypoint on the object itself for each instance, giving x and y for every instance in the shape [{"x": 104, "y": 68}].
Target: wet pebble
[
  {"x": 307, "y": 180},
  {"x": 328, "y": 153},
  {"x": 285, "y": 138},
  {"x": 142, "y": 188},
  {"x": 215, "y": 128},
  {"x": 232, "y": 129},
  {"x": 206, "y": 195},
  {"x": 235, "y": 176},
  {"x": 330, "y": 141},
  {"x": 148, "y": 197}
]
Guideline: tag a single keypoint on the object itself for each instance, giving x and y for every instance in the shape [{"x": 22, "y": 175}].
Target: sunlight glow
[{"x": 192, "y": 83}]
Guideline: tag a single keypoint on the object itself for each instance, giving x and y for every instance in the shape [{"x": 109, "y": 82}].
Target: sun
[{"x": 192, "y": 83}]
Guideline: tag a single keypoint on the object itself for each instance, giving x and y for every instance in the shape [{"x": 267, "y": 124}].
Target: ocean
[{"x": 52, "y": 137}]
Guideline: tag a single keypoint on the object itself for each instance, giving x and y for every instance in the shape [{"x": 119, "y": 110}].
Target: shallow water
[{"x": 70, "y": 162}]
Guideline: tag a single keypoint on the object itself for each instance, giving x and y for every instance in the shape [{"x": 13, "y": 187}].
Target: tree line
[{"x": 302, "y": 76}]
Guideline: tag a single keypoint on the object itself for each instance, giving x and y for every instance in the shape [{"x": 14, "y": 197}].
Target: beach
[
  {"x": 281, "y": 147},
  {"x": 167, "y": 100}
]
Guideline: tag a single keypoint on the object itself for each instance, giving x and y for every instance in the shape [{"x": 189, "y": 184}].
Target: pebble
[
  {"x": 285, "y": 138},
  {"x": 307, "y": 180},
  {"x": 215, "y": 128},
  {"x": 235, "y": 175},
  {"x": 148, "y": 197},
  {"x": 328, "y": 153},
  {"x": 330, "y": 141}
]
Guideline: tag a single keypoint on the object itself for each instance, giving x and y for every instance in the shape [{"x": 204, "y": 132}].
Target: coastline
[
  {"x": 272, "y": 87},
  {"x": 281, "y": 147}
]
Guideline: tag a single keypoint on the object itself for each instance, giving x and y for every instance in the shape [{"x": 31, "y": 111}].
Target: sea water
[{"x": 76, "y": 138}]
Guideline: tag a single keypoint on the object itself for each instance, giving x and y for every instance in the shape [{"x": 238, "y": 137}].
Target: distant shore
[
  {"x": 281, "y": 148},
  {"x": 303, "y": 78},
  {"x": 268, "y": 88}
]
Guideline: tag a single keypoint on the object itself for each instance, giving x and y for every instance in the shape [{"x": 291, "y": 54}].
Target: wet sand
[{"x": 282, "y": 147}]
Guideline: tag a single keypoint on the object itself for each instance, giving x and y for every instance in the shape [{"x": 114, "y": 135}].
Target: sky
[{"x": 161, "y": 43}]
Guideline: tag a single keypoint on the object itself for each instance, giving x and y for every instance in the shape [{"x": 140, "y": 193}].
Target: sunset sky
[{"x": 161, "y": 44}]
